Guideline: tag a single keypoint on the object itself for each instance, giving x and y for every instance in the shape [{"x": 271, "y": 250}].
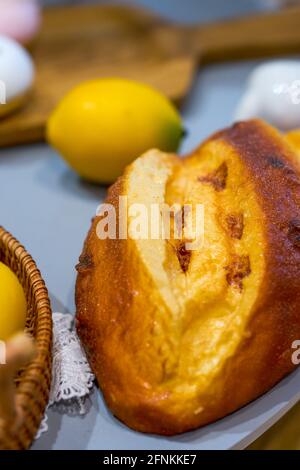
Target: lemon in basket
[
  {"x": 12, "y": 304},
  {"x": 102, "y": 125}
]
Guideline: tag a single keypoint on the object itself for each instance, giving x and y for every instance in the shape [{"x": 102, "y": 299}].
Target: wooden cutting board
[{"x": 85, "y": 42}]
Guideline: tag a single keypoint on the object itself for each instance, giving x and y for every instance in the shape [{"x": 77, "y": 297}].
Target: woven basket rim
[{"x": 39, "y": 369}]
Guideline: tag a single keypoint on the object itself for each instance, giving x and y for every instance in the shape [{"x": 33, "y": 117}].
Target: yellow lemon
[
  {"x": 102, "y": 125},
  {"x": 12, "y": 304}
]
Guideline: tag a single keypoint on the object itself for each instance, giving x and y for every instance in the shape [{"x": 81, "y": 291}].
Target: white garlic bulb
[{"x": 16, "y": 74}]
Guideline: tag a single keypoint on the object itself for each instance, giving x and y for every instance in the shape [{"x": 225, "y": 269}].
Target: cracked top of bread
[{"x": 178, "y": 338}]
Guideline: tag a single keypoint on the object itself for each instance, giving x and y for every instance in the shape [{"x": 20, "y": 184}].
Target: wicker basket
[{"x": 32, "y": 383}]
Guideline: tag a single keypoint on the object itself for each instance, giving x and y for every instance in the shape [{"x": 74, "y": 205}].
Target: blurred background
[{"x": 191, "y": 11}]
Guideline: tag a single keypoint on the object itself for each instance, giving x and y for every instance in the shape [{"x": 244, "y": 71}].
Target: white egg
[
  {"x": 16, "y": 74},
  {"x": 273, "y": 93}
]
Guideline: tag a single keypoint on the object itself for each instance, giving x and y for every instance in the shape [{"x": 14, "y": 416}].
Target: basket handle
[{"x": 18, "y": 351}]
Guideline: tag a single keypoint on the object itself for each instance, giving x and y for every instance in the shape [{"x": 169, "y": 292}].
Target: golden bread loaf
[{"x": 179, "y": 339}]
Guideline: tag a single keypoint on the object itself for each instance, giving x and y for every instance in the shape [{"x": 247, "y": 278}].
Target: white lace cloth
[{"x": 72, "y": 378}]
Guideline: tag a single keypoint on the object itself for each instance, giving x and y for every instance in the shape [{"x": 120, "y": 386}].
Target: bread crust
[{"x": 111, "y": 279}]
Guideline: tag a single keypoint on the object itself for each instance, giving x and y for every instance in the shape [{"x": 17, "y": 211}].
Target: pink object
[{"x": 20, "y": 19}]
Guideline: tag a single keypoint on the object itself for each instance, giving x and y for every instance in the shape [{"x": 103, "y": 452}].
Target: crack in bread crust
[
  {"x": 235, "y": 225},
  {"x": 216, "y": 178},
  {"x": 85, "y": 263},
  {"x": 183, "y": 255},
  {"x": 237, "y": 270},
  {"x": 294, "y": 232}
]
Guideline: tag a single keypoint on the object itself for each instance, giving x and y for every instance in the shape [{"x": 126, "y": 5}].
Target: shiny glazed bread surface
[{"x": 177, "y": 343}]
